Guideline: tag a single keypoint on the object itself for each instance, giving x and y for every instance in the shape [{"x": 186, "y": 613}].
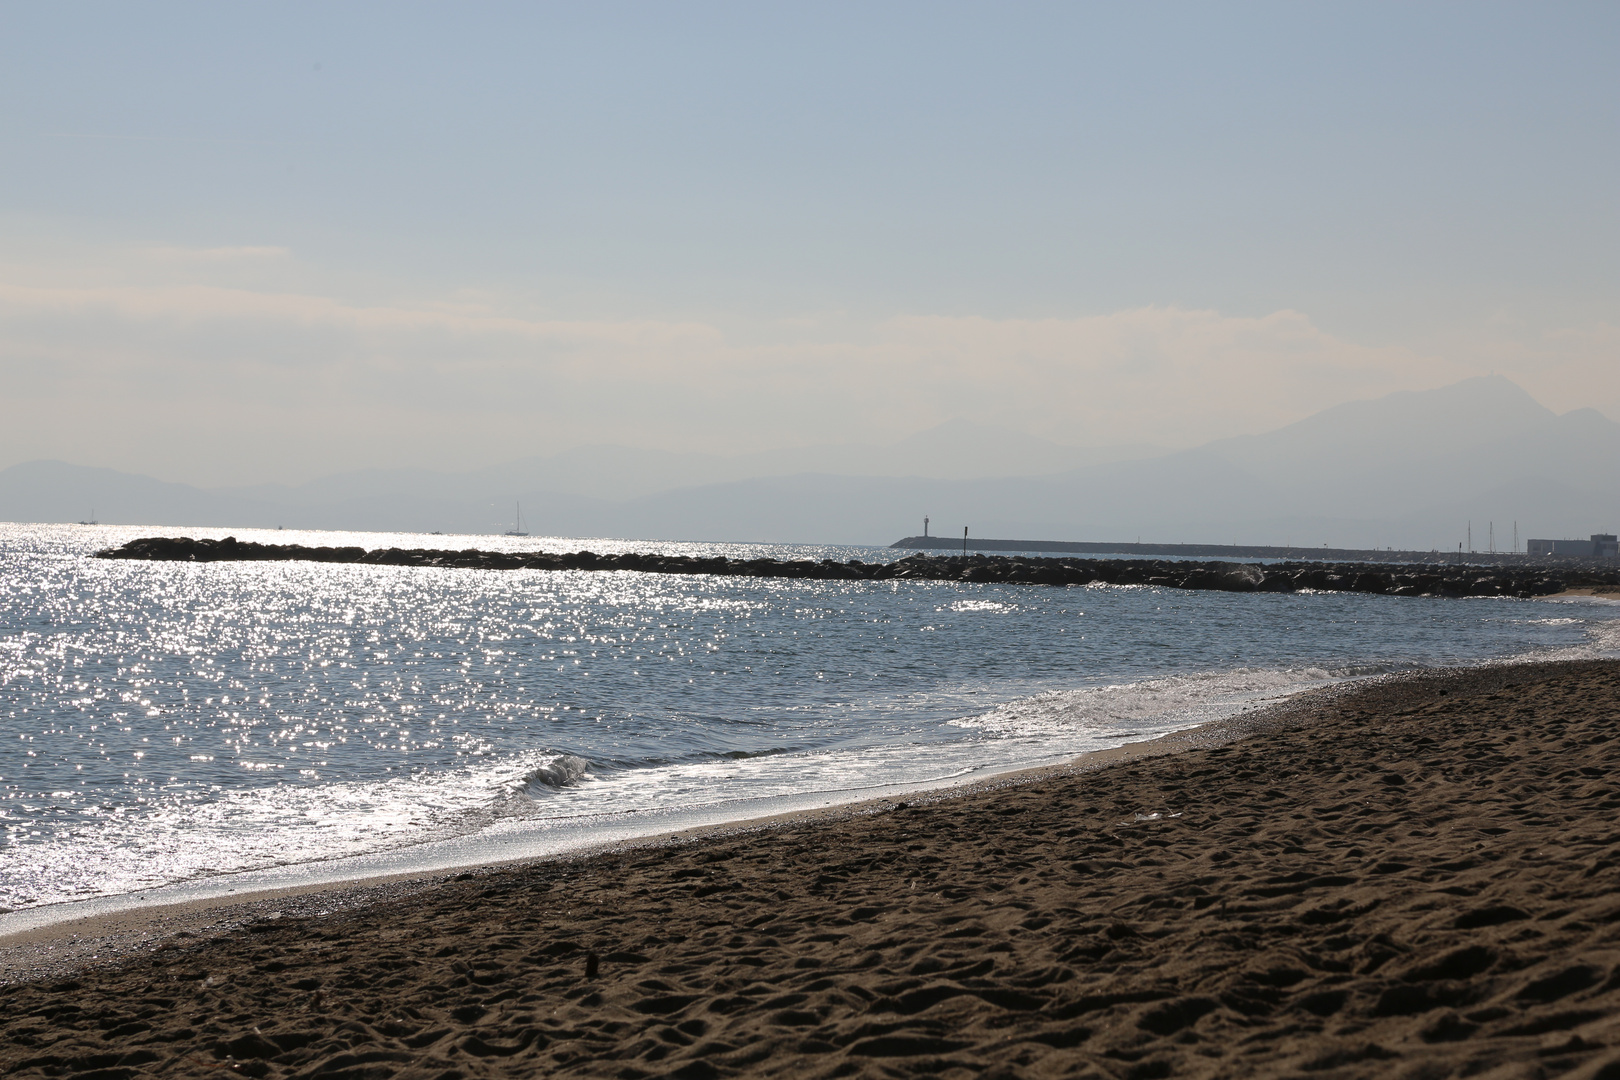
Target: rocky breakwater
[{"x": 1393, "y": 580}]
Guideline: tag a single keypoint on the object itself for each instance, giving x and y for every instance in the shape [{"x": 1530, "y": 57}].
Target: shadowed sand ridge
[{"x": 1414, "y": 878}]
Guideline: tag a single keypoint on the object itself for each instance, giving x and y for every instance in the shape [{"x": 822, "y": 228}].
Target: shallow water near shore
[{"x": 165, "y": 723}]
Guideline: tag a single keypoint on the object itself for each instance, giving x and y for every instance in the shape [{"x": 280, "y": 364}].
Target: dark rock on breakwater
[
  {"x": 1394, "y": 579},
  {"x": 1236, "y": 552}
]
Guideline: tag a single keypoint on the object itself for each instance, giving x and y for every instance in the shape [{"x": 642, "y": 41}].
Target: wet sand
[{"x": 1416, "y": 877}]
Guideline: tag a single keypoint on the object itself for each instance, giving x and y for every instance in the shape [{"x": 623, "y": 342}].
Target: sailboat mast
[{"x": 517, "y": 526}]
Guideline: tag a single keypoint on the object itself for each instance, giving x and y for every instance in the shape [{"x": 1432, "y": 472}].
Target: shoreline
[
  {"x": 69, "y": 943},
  {"x": 1412, "y": 875}
]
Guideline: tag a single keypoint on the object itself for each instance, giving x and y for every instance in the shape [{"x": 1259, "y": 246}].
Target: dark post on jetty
[{"x": 964, "y": 539}]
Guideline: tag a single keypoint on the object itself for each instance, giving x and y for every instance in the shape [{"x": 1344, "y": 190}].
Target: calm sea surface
[{"x": 169, "y": 722}]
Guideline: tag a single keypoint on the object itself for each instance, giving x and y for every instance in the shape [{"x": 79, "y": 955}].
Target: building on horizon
[{"x": 1600, "y": 546}]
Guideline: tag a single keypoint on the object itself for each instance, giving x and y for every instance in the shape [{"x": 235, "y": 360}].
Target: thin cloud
[
  {"x": 101, "y": 136},
  {"x": 219, "y": 254},
  {"x": 143, "y": 366}
]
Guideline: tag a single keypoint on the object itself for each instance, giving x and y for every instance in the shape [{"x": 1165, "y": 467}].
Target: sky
[{"x": 265, "y": 242}]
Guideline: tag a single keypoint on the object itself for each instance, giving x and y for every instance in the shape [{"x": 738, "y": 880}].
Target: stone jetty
[{"x": 1393, "y": 579}]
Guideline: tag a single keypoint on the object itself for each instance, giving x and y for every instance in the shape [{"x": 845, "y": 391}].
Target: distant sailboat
[
  {"x": 517, "y": 530},
  {"x": 92, "y": 520}
]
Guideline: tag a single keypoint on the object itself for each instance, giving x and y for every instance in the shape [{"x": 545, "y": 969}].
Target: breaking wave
[{"x": 558, "y": 772}]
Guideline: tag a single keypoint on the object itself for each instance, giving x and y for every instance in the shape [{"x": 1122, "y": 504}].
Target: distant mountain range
[
  {"x": 1407, "y": 470},
  {"x": 957, "y": 450}
]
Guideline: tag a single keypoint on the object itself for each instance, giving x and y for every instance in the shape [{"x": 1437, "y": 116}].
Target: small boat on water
[
  {"x": 92, "y": 520},
  {"x": 517, "y": 530}
]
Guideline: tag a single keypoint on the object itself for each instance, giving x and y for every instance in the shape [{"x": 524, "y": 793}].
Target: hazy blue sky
[{"x": 314, "y": 236}]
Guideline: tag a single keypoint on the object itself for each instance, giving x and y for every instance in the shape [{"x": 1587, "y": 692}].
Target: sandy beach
[{"x": 1414, "y": 877}]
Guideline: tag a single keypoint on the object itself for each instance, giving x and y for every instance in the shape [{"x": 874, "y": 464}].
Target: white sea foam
[
  {"x": 116, "y": 849},
  {"x": 1150, "y": 706},
  {"x": 1602, "y": 642}
]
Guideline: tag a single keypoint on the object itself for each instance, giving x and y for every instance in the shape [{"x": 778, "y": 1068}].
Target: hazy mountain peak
[
  {"x": 1589, "y": 419},
  {"x": 1467, "y": 410},
  {"x": 1397, "y": 429}
]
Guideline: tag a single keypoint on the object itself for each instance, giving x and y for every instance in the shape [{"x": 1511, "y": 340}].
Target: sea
[{"x": 177, "y": 731}]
